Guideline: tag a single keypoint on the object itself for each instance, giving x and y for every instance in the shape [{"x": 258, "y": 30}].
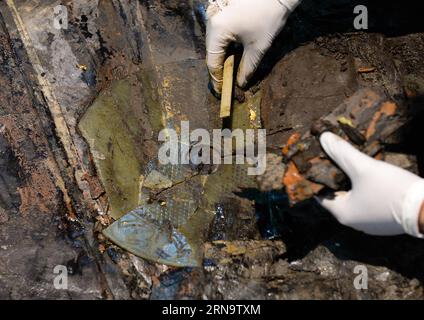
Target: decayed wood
[
  {"x": 227, "y": 87},
  {"x": 56, "y": 112}
]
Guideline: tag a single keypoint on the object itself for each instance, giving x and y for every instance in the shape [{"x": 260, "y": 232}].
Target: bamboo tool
[{"x": 227, "y": 87}]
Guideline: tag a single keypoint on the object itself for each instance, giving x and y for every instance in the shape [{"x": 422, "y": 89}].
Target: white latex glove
[
  {"x": 384, "y": 200},
  {"x": 253, "y": 23}
]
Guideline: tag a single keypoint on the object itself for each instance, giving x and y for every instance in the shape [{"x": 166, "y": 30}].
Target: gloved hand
[
  {"x": 253, "y": 23},
  {"x": 384, "y": 200}
]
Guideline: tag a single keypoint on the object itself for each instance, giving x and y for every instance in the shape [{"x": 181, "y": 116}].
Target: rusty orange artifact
[{"x": 366, "y": 119}]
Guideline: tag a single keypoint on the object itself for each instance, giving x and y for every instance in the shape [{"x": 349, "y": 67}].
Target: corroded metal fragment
[{"x": 366, "y": 119}]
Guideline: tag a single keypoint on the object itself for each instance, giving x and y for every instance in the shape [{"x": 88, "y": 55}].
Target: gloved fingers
[
  {"x": 216, "y": 47},
  {"x": 215, "y": 64},
  {"x": 250, "y": 60},
  {"x": 338, "y": 205},
  {"x": 347, "y": 157},
  {"x": 218, "y": 37}
]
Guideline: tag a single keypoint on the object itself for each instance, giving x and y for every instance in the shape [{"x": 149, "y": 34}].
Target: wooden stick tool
[{"x": 227, "y": 87}]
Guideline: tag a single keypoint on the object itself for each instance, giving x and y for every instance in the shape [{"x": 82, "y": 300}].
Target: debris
[
  {"x": 272, "y": 179},
  {"x": 102, "y": 248},
  {"x": 82, "y": 67},
  {"x": 383, "y": 276},
  {"x": 253, "y": 115},
  {"x": 297, "y": 187},
  {"x": 234, "y": 220},
  {"x": 294, "y": 138},
  {"x": 349, "y": 129},
  {"x": 4, "y": 217},
  {"x": 157, "y": 181},
  {"x": 366, "y": 70},
  {"x": 344, "y": 120},
  {"x": 366, "y": 119},
  {"x": 249, "y": 251},
  {"x": 400, "y": 160},
  {"x": 388, "y": 109}
]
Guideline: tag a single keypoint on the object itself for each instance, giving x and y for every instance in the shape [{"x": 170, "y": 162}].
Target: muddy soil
[{"x": 54, "y": 205}]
